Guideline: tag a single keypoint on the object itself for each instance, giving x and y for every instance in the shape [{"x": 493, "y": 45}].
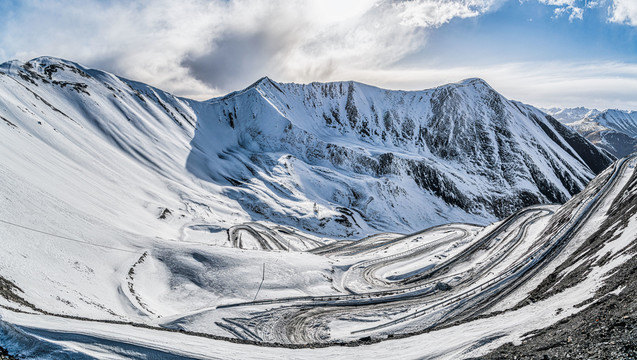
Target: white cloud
[
  {"x": 560, "y": 11},
  {"x": 431, "y": 13},
  {"x": 139, "y": 41},
  {"x": 576, "y": 13},
  {"x": 546, "y": 84},
  {"x": 199, "y": 48},
  {"x": 594, "y": 4},
  {"x": 564, "y": 7},
  {"x": 619, "y": 11},
  {"x": 558, "y": 2},
  {"x": 623, "y": 12},
  {"x": 202, "y": 48}
]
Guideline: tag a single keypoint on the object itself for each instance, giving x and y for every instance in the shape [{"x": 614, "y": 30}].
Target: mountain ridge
[
  {"x": 134, "y": 218},
  {"x": 613, "y": 130},
  {"x": 347, "y": 114},
  {"x": 332, "y": 158}
]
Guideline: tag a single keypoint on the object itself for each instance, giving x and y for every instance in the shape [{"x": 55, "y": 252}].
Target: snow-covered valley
[{"x": 285, "y": 220}]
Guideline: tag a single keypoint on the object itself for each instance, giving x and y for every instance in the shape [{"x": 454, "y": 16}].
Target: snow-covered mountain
[
  {"x": 124, "y": 204},
  {"x": 612, "y": 130},
  {"x": 620, "y": 120},
  {"x": 569, "y": 115},
  {"x": 462, "y": 145},
  {"x": 340, "y": 158}
]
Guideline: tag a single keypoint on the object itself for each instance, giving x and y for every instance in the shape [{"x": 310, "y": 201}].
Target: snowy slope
[
  {"x": 543, "y": 266},
  {"x": 124, "y": 203},
  {"x": 120, "y": 165},
  {"x": 569, "y": 115},
  {"x": 612, "y": 130},
  {"x": 620, "y": 120},
  {"x": 338, "y": 159},
  {"x": 458, "y": 152}
]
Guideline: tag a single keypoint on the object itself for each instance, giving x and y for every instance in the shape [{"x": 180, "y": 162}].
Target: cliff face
[
  {"x": 457, "y": 152},
  {"x": 343, "y": 159}
]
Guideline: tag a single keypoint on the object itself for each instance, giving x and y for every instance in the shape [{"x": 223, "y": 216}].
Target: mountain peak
[
  {"x": 42, "y": 62},
  {"x": 48, "y": 60},
  {"x": 570, "y": 115},
  {"x": 474, "y": 82},
  {"x": 477, "y": 85},
  {"x": 45, "y": 68},
  {"x": 37, "y": 60},
  {"x": 263, "y": 82},
  {"x": 264, "y": 79},
  {"x": 620, "y": 112},
  {"x": 266, "y": 82}
]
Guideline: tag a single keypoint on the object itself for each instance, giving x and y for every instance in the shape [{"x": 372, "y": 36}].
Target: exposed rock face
[
  {"x": 614, "y": 131},
  {"x": 457, "y": 149},
  {"x": 343, "y": 159},
  {"x": 607, "y": 327}
]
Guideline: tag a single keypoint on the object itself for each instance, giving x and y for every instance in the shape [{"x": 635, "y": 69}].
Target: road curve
[{"x": 476, "y": 274}]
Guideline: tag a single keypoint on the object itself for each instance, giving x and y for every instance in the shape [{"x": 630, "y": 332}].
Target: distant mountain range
[{"x": 612, "y": 130}]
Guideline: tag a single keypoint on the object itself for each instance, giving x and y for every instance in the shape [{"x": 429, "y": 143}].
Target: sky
[{"x": 547, "y": 53}]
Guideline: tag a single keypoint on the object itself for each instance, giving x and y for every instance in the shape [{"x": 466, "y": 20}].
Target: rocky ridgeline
[
  {"x": 461, "y": 143},
  {"x": 340, "y": 159}
]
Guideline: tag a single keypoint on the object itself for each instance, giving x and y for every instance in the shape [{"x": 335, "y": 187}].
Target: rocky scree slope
[{"x": 607, "y": 326}]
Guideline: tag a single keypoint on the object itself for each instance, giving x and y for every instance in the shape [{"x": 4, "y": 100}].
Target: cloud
[
  {"x": 547, "y": 84},
  {"x": 623, "y": 12},
  {"x": 619, "y": 11},
  {"x": 202, "y": 48},
  {"x": 576, "y": 13},
  {"x": 558, "y": 2},
  {"x": 135, "y": 40},
  {"x": 306, "y": 42},
  {"x": 302, "y": 42},
  {"x": 437, "y": 12},
  {"x": 564, "y": 7},
  {"x": 205, "y": 48}
]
